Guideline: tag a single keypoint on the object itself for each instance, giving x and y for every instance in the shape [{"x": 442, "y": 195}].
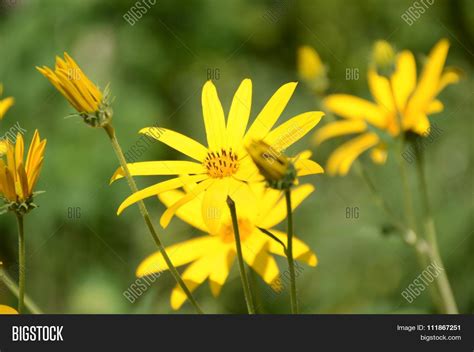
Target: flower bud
[{"x": 274, "y": 166}]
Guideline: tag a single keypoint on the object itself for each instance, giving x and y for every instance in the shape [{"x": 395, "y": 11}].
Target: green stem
[
  {"x": 144, "y": 212},
  {"x": 289, "y": 255},
  {"x": 238, "y": 246},
  {"x": 13, "y": 287},
  {"x": 21, "y": 263},
  {"x": 408, "y": 234},
  {"x": 442, "y": 281},
  {"x": 407, "y": 198},
  {"x": 420, "y": 246}
]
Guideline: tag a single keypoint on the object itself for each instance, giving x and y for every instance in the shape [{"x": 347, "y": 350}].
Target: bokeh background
[{"x": 82, "y": 257}]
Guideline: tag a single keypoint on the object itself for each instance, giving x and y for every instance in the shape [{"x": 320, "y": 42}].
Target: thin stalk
[
  {"x": 409, "y": 236},
  {"x": 289, "y": 246},
  {"x": 21, "y": 264},
  {"x": 420, "y": 244},
  {"x": 380, "y": 201},
  {"x": 13, "y": 287},
  {"x": 238, "y": 246},
  {"x": 144, "y": 212},
  {"x": 407, "y": 198},
  {"x": 442, "y": 281}
]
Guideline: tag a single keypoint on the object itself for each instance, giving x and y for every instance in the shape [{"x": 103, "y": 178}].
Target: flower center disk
[
  {"x": 221, "y": 164},
  {"x": 227, "y": 230}
]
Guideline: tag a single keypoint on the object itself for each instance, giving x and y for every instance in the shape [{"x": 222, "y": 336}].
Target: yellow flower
[
  {"x": 5, "y": 103},
  {"x": 383, "y": 54},
  {"x": 398, "y": 97},
  {"x": 6, "y": 310},
  {"x": 223, "y": 167},
  {"x": 18, "y": 178},
  {"x": 311, "y": 69},
  {"x": 79, "y": 91},
  {"x": 211, "y": 256}
]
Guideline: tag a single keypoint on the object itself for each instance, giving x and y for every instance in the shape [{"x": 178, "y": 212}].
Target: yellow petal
[
  {"x": 301, "y": 251},
  {"x": 277, "y": 208},
  {"x": 157, "y": 189},
  {"x": 6, "y": 310},
  {"x": 223, "y": 263},
  {"x": 404, "y": 78},
  {"x": 32, "y": 150},
  {"x": 270, "y": 113},
  {"x": 421, "y": 124},
  {"x": 244, "y": 198},
  {"x": 23, "y": 182},
  {"x": 378, "y": 155},
  {"x": 258, "y": 258},
  {"x": 309, "y": 63},
  {"x": 342, "y": 158},
  {"x": 434, "y": 107},
  {"x": 180, "y": 254},
  {"x": 5, "y": 105},
  {"x": 381, "y": 91},
  {"x": 351, "y": 107},
  {"x": 150, "y": 168},
  {"x": 214, "y": 209},
  {"x": 19, "y": 151},
  {"x": 177, "y": 141},
  {"x": 214, "y": 119},
  {"x": 306, "y": 167},
  {"x": 239, "y": 115},
  {"x": 449, "y": 76},
  {"x": 428, "y": 85},
  {"x": 339, "y": 128},
  {"x": 193, "y": 276},
  {"x": 248, "y": 171},
  {"x": 195, "y": 192},
  {"x": 293, "y": 130},
  {"x": 189, "y": 212},
  {"x": 3, "y": 148}
]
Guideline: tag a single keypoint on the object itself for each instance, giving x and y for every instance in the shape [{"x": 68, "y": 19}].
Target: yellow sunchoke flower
[
  {"x": 223, "y": 166},
  {"x": 401, "y": 104},
  {"x": 212, "y": 256},
  {"x": 18, "y": 177},
  {"x": 90, "y": 102}
]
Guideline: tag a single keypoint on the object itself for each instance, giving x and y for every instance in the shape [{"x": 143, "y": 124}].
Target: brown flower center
[
  {"x": 221, "y": 164},
  {"x": 227, "y": 231}
]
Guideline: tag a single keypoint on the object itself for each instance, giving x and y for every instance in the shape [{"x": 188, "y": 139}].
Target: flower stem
[
  {"x": 289, "y": 254},
  {"x": 442, "y": 281},
  {"x": 420, "y": 245},
  {"x": 407, "y": 233},
  {"x": 21, "y": 263},
  {"x": 243, "y": 272},
  {"x": 407, "y": 198},
  {"x": 13, "y": 287},
  {"x": 144, "y": 212}
]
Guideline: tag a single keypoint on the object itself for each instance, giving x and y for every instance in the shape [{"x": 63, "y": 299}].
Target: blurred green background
[{"x": 83, "y": 263}]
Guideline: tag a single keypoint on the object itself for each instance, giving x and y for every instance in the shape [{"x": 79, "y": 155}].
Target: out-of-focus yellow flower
[
  {"x": 80, "y": 92},
  {"x": 383, "y": 55},
  {"x": 311, "y": 69},
  {"x": 7, "y": 310},
  {"x": 5, "y": 103},
  {"x": 398, "y": 99},
  {"x": 212, "y": 256},
  {"x": 17, "y": 177},
  {"x": 223, "y": 166}
]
